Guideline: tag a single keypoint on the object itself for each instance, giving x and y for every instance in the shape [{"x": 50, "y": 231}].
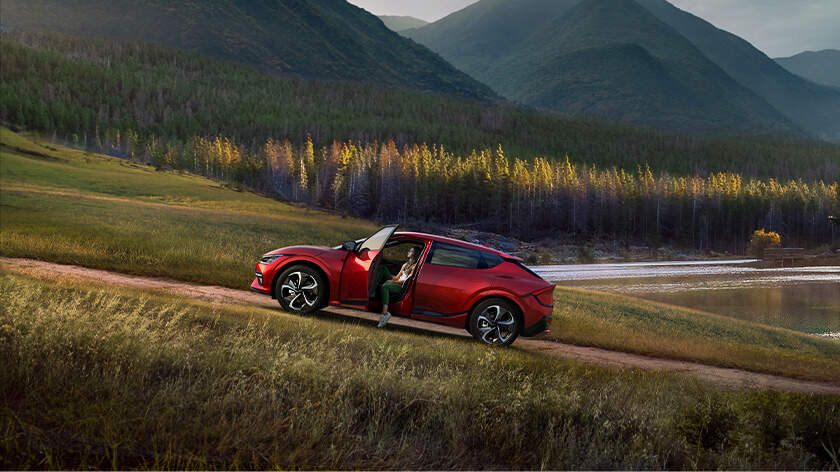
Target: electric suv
[{"x": 487, "y": 292}]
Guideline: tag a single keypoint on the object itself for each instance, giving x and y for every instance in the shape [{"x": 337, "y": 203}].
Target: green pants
[{"x": 389, "y": 288}]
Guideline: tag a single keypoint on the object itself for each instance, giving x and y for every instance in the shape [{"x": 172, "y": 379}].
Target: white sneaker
[{"x": 383, "y": 320}]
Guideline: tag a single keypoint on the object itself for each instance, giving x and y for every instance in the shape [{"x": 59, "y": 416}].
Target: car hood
[{"x": 301, "y": 250}]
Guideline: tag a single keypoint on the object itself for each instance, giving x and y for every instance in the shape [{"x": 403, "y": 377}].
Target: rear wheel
[
  {"x": 301, "y": 289},
  {"x": 495, "y": 321}
]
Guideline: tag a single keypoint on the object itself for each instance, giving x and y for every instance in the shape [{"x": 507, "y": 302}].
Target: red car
[{"x": 487, "y": 292}]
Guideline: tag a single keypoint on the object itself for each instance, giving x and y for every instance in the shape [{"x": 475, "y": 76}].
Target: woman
[{"x": 393, "y": 285}]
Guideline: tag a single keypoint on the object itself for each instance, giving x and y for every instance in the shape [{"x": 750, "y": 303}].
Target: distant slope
[
  {"x": 476, "y": 36},
  {"x": 400, "y": 23},
  {"x": 325, "y": 39},
  {"x": 822, "y": 67},
  {"x": 609, "y": 59},
  {"x": 814, "y": 108}
]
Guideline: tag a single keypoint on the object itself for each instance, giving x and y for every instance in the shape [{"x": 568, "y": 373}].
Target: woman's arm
[
  {"x": 405, "y": 273},
  {"x": 396, "y": 278}
]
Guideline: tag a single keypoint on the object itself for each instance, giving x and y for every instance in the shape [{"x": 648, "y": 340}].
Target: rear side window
[
  {"x": 488, "y": 261},
  {"x": 465, "y": 258}
]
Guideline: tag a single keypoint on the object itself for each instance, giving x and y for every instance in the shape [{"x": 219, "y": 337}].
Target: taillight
[
  {"x": 539, "y": 292},
  {"x": 545, "y": 296}
]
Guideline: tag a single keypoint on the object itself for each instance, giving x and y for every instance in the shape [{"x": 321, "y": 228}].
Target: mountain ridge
[
  {"x": 784, "y": 97},
  {"x": 822, "y": 67},
  {"x": 325, "y": 39},
  {"x": 399, "y": 23},
  {"x": 813, "y": 107},
  {"x": 570, "y": 59}
]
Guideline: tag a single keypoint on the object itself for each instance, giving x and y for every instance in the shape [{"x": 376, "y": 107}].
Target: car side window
[
  {"x": 488, "y": 261},
  {"x": 455, "y": 256}
]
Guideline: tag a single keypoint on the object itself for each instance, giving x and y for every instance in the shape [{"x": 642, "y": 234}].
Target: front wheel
[
  {"x": 495, "y": 322},
  {"x": 301, "y": 289}
]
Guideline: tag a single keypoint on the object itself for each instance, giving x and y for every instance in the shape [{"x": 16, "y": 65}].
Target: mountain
[
  {"x": 822, "y": 67},
  {"x": 401, "y": 23},
  {"x": 813, "y": 107},
  {"x": 479, "y": 34},
  {"x": 323, "y": 39},
  {"x": 603, "y": 58}
]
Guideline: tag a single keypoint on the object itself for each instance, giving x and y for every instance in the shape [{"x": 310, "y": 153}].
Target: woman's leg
[
  {"x": 387, "y": 290},
  {"x": 385, "y": 295},
  {"x": 383, "y": 275}
]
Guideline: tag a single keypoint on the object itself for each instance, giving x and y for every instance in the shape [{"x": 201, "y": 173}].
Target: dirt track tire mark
[{"x": 725, "y": 377}]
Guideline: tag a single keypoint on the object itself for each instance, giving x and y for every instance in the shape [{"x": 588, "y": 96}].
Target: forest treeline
[
  {"x": 529, "y": 199},
  {"x": 160, "y": 107},
  {"x": 68, "y": 86}
]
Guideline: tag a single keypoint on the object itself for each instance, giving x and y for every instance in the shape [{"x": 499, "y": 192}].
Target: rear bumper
[
  {"x": 537, "y": 311},
  {"x": 540, "y": 328}
]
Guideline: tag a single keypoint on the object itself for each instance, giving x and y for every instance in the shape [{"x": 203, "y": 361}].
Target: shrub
[{"x": 762, "y": 239}]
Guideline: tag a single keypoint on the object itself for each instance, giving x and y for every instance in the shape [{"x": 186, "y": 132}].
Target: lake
[{"x": 804, "y": 299}]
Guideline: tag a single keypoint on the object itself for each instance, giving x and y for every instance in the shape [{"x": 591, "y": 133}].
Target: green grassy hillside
[
  {"x": 822, "y": 67},
  {"x": 97, "y": 377},
  {"x": 78, "y": 208},
  {"x": 83, "y": 90},
  {"x": 814, "y": 108},
  {"x": 326, "y": 39}
]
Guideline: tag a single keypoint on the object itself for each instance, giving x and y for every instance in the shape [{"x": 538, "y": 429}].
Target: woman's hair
[{"x": 412, "y": 261}]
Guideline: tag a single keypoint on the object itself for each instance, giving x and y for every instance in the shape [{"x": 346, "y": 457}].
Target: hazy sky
[{"x": 777, "y": 27}]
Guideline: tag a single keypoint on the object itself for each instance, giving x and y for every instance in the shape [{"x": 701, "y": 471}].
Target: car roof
[{"x": 456, "y": 242}]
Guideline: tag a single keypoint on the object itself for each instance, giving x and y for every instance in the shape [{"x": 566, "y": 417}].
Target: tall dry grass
[{"x": 96, "y": 377}]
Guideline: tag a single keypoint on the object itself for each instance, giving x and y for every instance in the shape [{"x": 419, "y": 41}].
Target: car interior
[{"x": 394, "y": 256}]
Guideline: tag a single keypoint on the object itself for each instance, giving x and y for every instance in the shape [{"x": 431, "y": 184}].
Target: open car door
[{"x": 359, "y": 273}]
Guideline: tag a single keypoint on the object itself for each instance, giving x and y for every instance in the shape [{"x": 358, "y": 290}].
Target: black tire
[
  {"x": 301, "y": 290},
  {"x": 495, "y": 321}
]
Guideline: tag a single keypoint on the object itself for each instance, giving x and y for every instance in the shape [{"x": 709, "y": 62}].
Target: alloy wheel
[
  {"x": 299, "y": 291},
  {"x": 496, "y": 325}
]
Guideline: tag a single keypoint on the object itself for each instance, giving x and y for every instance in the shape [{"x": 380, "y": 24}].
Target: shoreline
[{"x": 563, "y": 251}]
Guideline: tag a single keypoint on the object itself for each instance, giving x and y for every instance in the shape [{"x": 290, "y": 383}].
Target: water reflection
[{"x": 803, "y": 298}]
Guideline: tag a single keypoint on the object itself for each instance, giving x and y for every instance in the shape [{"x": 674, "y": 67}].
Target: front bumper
[{"x": 256, "y": 286}]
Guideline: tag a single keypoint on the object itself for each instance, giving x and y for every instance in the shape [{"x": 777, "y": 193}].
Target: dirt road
[{"x": 728, "y": 378}]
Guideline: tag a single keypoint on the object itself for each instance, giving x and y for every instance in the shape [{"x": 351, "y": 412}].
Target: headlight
[{"x": 269, "y": 258}]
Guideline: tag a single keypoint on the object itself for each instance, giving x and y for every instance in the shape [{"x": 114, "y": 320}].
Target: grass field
[
  {"x": 67, "y": 206},
  {"x": 96, "y": 377}
]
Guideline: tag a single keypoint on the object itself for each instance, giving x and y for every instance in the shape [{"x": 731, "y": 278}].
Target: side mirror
[{"x": 349, "y": 246}]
